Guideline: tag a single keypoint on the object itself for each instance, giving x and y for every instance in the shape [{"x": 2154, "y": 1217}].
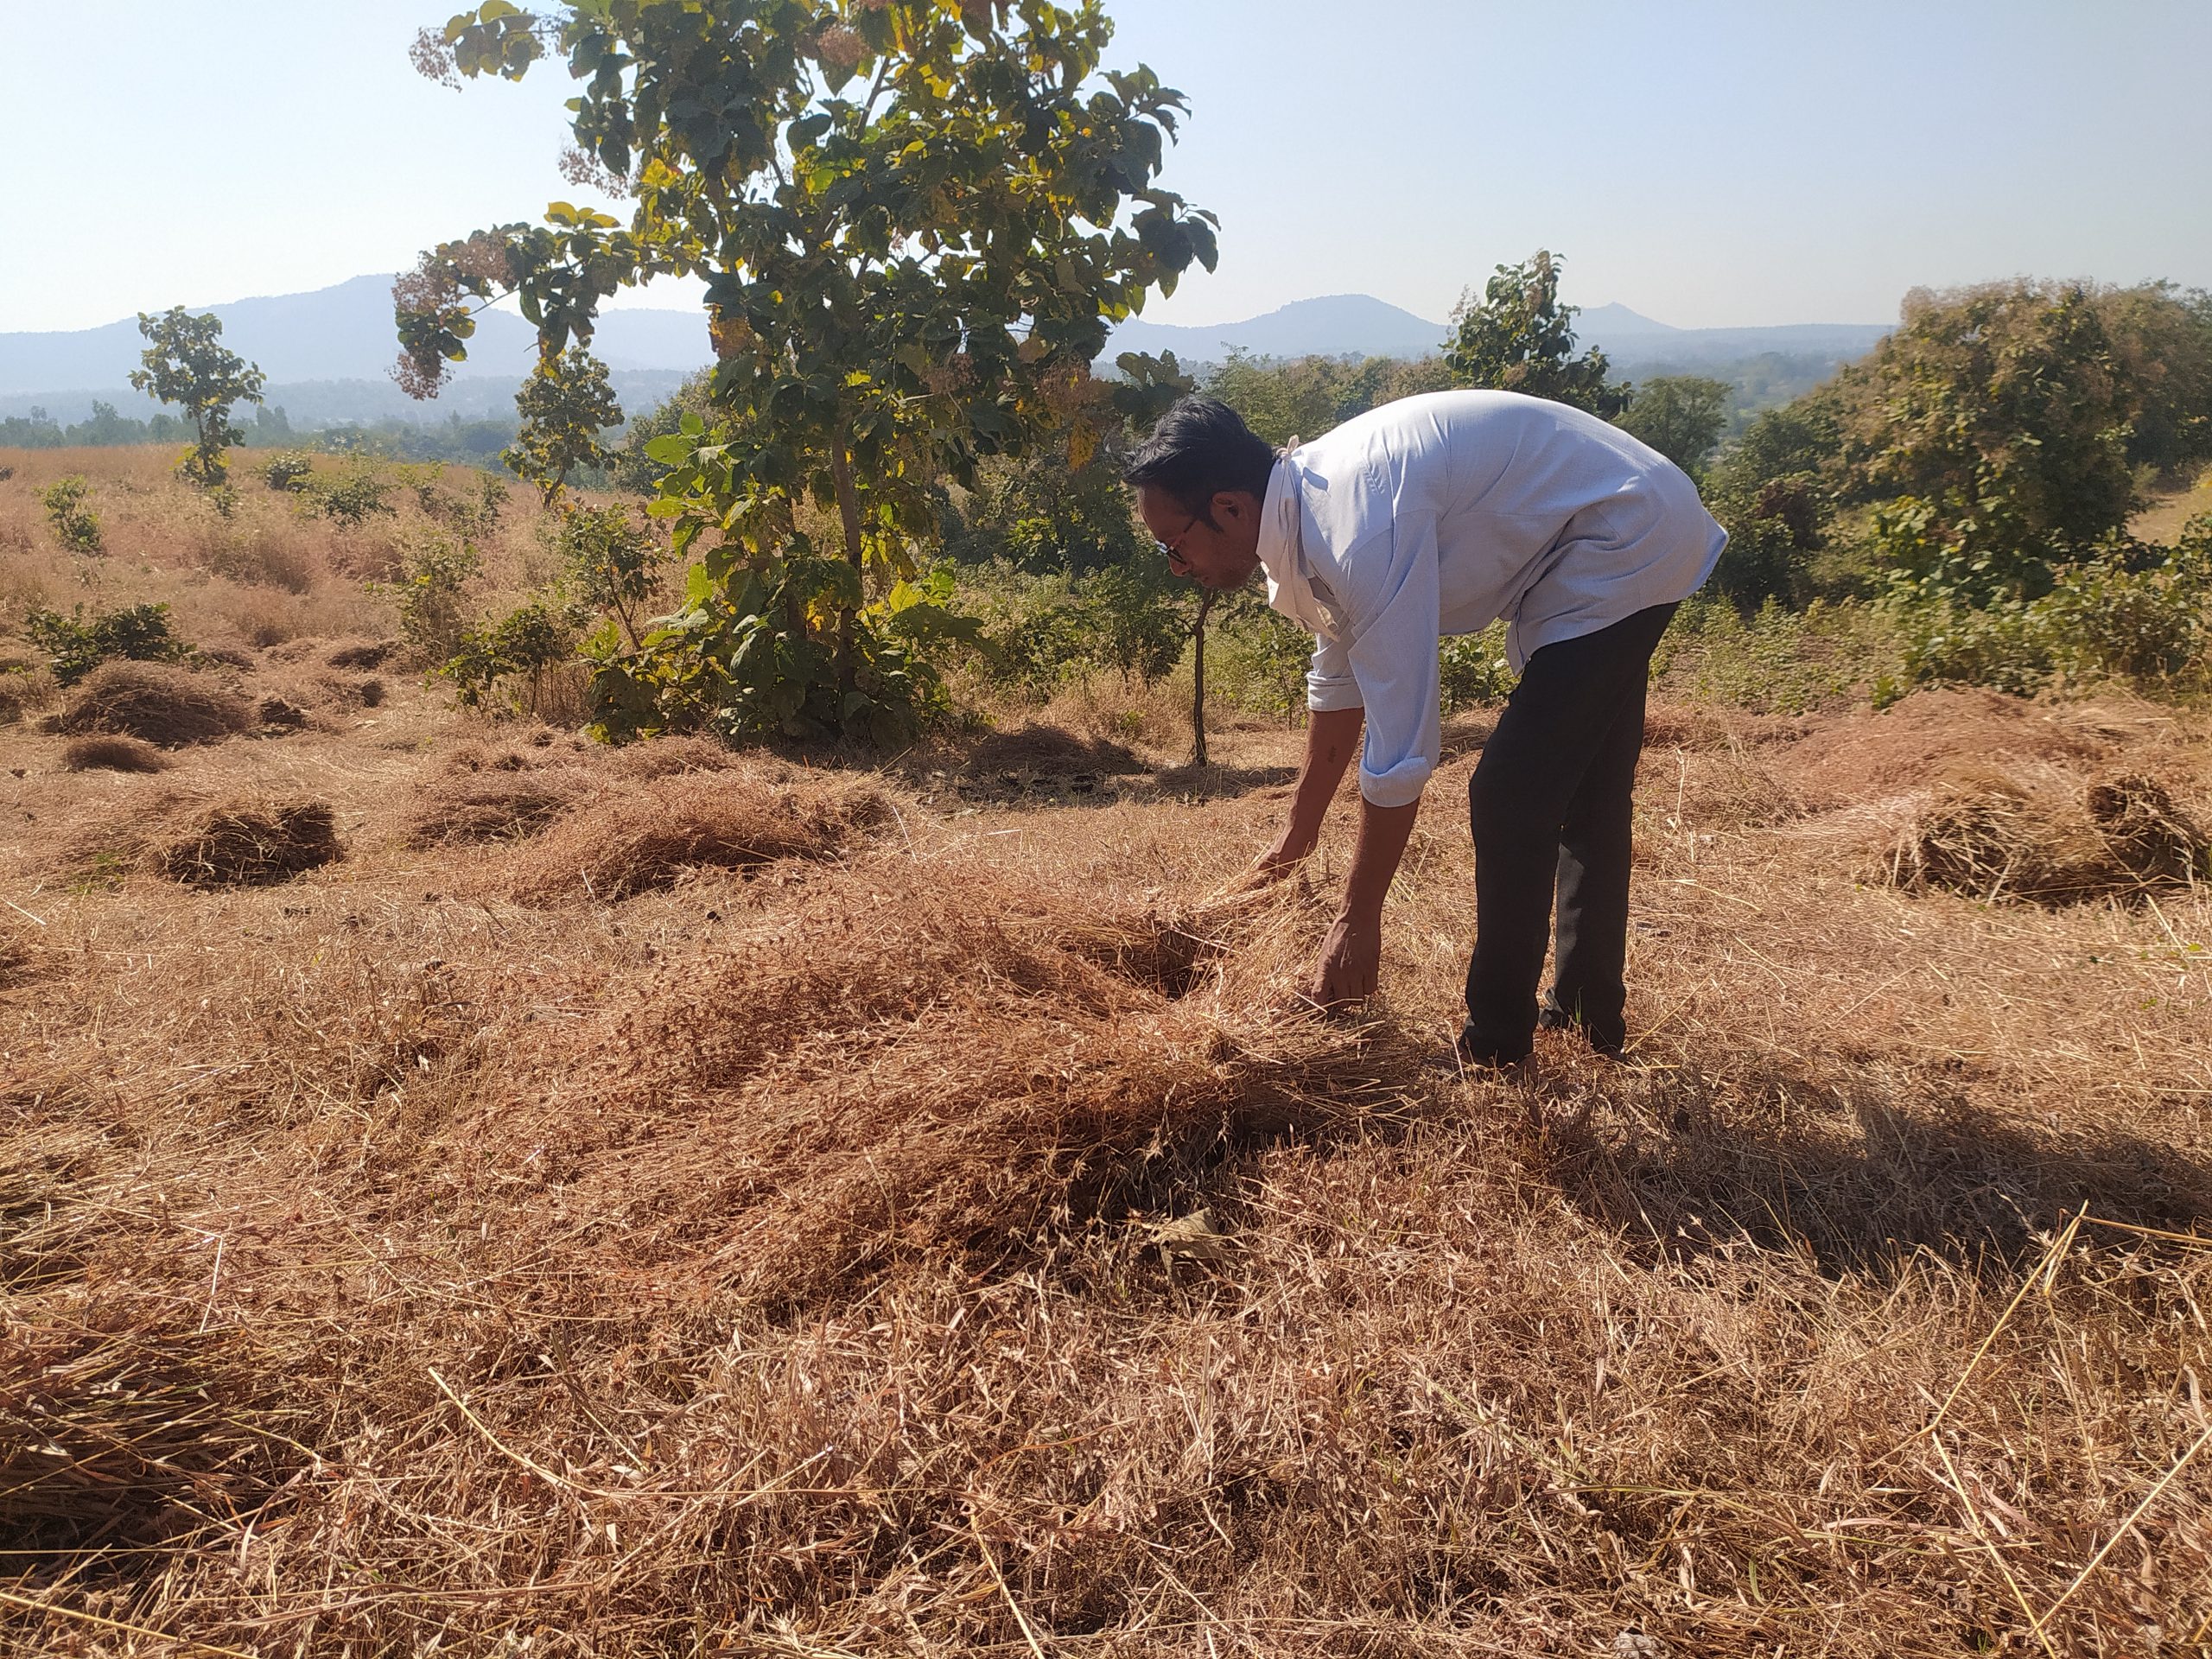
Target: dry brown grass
[
  {"x": 172, "y": 708},
  {"x": 2052, "y": 841},
  {"x": 631, "y": 841},
  {"x": 245, "y": 843},
  {"x": 952, "y": 1245},
  {"x": 112, "y": 753}
]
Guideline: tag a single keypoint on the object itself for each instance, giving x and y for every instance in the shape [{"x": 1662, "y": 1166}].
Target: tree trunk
[
  {"x": 1198, "y": 684},
  {"x": 849, "y": 511}
]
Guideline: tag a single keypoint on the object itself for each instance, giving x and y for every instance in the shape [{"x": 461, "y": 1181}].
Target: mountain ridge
[{"x": 343, "y": 333}]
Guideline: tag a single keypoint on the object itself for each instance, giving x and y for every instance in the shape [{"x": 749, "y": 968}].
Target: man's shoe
[
  {"x": 1611, "y": 1041},
  {"x": 1476, "y": 1055}
]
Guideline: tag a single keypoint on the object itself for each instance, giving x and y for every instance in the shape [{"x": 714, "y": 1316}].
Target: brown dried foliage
[
  {"x": 110, "y": 753},
  {"x": 247, "y": 844},
  {"x": 172, "y": 708},
  {"x": 2050, "y": 841},
  {"x": 808, "y": 1259},
  {"x": 633, "y": 841}
]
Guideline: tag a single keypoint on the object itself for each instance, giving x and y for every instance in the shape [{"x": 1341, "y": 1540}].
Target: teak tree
[
  {"x": 187, "y": 364},
  {"x": 916, "y": 219},
  {"x": 1521, "y": 339},
  {"x": 565, "y": 405}
]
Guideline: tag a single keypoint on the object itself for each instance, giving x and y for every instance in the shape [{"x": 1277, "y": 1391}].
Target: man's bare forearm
[
  {"x": 1351, "y": 956},
  {"x": 1331, "y": 740},
  {"x": 1383, "y": 832}
]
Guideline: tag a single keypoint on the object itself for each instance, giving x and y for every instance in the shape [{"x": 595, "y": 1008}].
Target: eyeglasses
[{"x": 1173, "y": 549}]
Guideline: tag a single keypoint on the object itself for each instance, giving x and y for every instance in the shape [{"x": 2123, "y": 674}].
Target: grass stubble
[{"x": 882, "y": 1225}]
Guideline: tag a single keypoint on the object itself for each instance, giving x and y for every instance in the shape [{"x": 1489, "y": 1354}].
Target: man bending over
[{"x": 1431, "y": 516}]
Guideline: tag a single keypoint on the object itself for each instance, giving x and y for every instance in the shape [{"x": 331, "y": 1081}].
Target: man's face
[{"x": 1222, "y": 554}]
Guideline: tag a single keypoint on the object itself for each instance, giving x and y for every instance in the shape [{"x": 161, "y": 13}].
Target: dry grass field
[{"x": 464, "y": 1192}]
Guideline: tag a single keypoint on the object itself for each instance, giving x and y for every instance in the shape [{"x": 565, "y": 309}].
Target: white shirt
[{"x": 1437, "y": 515}]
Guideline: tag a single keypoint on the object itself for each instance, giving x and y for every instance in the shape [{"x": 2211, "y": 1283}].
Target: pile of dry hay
[
  {"x": 170, "y": 707},
  {"x": 245, "y": 843},
  {"x": 2045, "y": 837},
  {"x": 112, "y": 754},
  {"x": 895, "y": 1070},
  {"x": 494, "y": 804},
  {"x": 633, "y": 840}
]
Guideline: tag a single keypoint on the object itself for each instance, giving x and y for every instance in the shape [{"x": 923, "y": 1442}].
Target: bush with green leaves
[
  {"x": 78, "y": 643},
  {"x": 288, "y": 470},
  {"x": 721, "y": 664},
  {"x": 505, "y": 664},
  {"x": 2132, "y": 612},
  {"x": 1473, "y": 669},
  {"x": 349, "y": 499},
  {"x": 610, "y": 564},
  {"x": 1777, "y": 660},
  {"x": 433, "y": 570},
  {"x": 75, "y": 523},
  {"x": 473, "y": 510}
]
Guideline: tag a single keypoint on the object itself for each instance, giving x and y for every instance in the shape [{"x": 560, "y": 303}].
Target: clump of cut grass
[
  {"x": 172, "y": 708},
  {"x": 363, "y": 654},
  {"x": 119, "y": 1430},
  {"x": 911, "y": 1068},
  {"x": 247, "y": 844},
  {"x": 111, "y": 752},
  {"x": 494, "y": 804},
  {"x": 667, "y": 757},
  {"x": 1043, "y": 749},
  {"x": 2045, "y": 840},
  {"x": 633, "y": 841}
]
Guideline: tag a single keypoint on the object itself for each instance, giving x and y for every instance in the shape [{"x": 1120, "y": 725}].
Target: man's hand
[
  {"x": 1350, "y": 958},
  {"x": 1280, "y": 861}
]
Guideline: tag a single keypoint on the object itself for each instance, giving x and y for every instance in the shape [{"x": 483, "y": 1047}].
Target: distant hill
[
  {"x": 1632, "y": 341},
  {"x": 327, "y": 354},
  {"x": 338, "y": 333},
  {"x": 1355, "y": 325},
  {"x": 1341, "y": 324}
]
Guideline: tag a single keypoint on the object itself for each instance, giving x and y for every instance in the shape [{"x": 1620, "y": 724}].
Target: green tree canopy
[
  {"x": 1680, "y": 416},
  {"x": 187, "y": 364},
  {"x": 1520, "y": 337},
  {"x": 916, "y": 219},
  {"x": 1304, "y": 397},
  {"x": 565, "y": 405}
]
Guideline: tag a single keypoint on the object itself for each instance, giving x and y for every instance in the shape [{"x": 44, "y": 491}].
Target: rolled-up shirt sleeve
[
  {"x": 1328, "y": 680},
  {"x": 1393, "y": 662}
]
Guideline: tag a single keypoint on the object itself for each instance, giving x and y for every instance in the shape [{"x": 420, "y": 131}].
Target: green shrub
[
  {"x": 609, "y": 563},
  {"x": 350, "y": 499},
  {"x": 288, "y": 470},
  {"x": 1039, "y": 633},
  {"x": 507, "y": 663},
  {"x": 1780, "y": 661},
  {"x": 78, "y": 643},
  {"x": 1257, "y": 658},
  {"x": 727, "y": 663},
  {"x": 2133, "y": 612},
  {"x": 77, "y": 524},
  {"x": 433, "y": 570},
  {"x": 1473, "y": 669}
]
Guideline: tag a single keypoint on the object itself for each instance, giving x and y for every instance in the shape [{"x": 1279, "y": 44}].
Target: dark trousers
[{"x": 1550, "y": 803}]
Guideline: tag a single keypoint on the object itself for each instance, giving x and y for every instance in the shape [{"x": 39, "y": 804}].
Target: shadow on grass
[{"x": 1857, "y": 1174}]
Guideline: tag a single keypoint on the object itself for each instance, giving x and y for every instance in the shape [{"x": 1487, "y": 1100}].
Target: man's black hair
[{"x": 1200, "y": 449}]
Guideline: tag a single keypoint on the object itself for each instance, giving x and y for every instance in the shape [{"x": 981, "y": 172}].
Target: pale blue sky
[{"x": 1705, "y": 161}]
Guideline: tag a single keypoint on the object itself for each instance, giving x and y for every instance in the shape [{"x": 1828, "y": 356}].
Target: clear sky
[{"x": 1707, "y": 163}]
